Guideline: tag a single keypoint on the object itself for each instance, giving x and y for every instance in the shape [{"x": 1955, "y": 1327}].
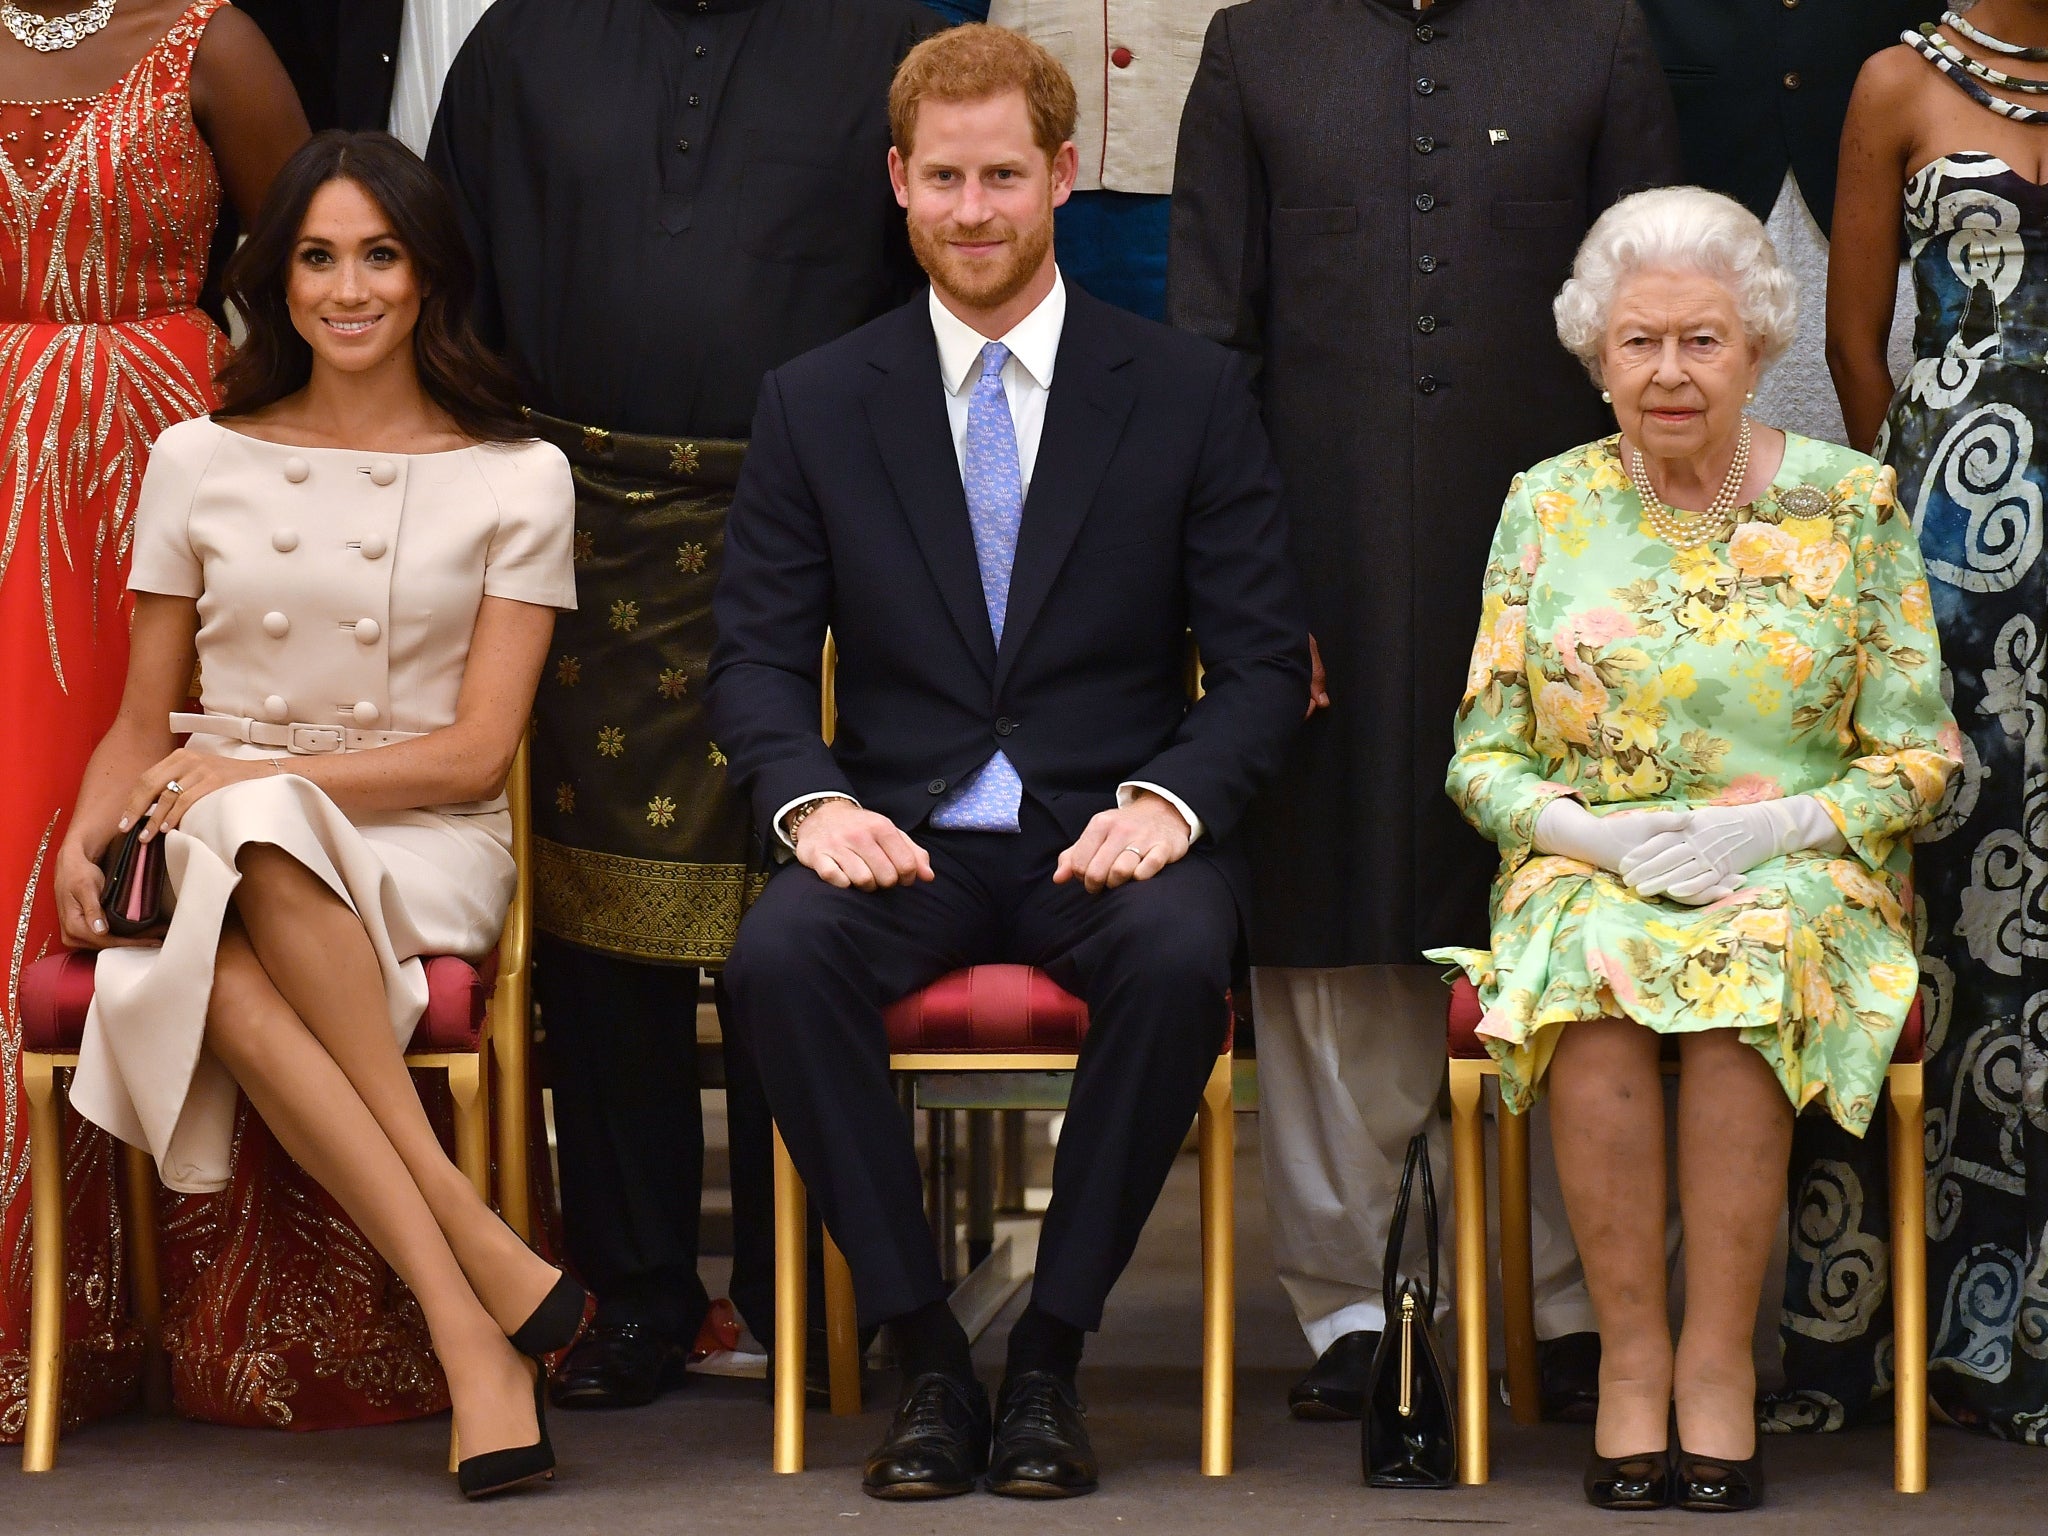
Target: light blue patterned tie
[{"x": 987, "y": 799}]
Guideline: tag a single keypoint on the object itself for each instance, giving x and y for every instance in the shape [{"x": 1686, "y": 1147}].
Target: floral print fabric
[{"x": 1798, "y": 657}]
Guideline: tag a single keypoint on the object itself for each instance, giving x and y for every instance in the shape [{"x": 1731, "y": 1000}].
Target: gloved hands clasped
[{"x": 1695, "y": 857}]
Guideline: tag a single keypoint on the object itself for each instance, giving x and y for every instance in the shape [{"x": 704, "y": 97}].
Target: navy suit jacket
[{"x": 1154, "y": 514}]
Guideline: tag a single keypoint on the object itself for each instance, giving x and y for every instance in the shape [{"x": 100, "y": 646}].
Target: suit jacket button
[
  {"x": 1004, "y": 727},
  {"x": 936, "y": 787}
]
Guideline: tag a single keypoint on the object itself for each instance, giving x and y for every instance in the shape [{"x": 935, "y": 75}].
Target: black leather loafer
[
  {"x": 1041, "y": 1440},
  {"x": 1568, "y": 1378},
  {"x": 1333, "y": 1391},
  {"x": 937, "y": 1445},
  {"x": 625, "y": 1365},
  {"x": 1629, "y": 1482},
  {"x": 1716, "y": 1486}
]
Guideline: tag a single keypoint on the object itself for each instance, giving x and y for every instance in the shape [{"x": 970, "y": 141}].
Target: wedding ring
[
  {"x": 1138, "y": 851},
  {"x": 174, "y": 788}
]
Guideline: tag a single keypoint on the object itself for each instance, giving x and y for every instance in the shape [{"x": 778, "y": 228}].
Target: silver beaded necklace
[{"x": 48, "y": 34}]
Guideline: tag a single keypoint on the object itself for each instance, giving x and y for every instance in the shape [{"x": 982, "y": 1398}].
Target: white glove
[
  {"x": 1705, "y": 860},
  {"x": 1566, "y": 827}
]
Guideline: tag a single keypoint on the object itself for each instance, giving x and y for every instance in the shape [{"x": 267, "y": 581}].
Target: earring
[
  {"x": 1750, "y": 398},
  {"x": 1607, "y": 395}
]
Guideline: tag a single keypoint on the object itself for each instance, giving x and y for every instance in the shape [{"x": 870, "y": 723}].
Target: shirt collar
[{"x": 1034, "y": 341}]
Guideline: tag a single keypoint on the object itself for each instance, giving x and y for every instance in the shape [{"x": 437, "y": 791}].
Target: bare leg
[
  {"x": 1734, "y": 1140},
  {"x": 1607, "y": 1128},
  {"x": 319, "y": 958},
  {"x": 319, "y": 1119}
]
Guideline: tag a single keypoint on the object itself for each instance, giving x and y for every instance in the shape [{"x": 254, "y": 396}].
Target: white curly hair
[{"x": 1683, "y": 228}]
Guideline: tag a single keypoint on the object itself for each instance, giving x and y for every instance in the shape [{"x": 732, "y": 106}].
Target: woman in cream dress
[{"x": 365, "y": 559}]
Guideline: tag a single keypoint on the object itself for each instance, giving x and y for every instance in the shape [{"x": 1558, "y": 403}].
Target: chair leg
[
  {"x": 1909, "y": 1279},
  {"x": 145, "y": 1273},
  {"x": 46, "y": 1305},
  {"x": 1218, "y": 1162},
  {"x": 472, "y": 1132},
  {"x": 1468, "y": 1178},
  {"x": 791, "y": 1324},
  {"x": 1517, "y": 1277},
  {"x": 511, "y": 1050},
  {"x": 842, "y": 1333}
]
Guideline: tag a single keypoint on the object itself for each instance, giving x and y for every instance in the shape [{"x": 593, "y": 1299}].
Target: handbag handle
[{"x": 1397, "y": 1229}]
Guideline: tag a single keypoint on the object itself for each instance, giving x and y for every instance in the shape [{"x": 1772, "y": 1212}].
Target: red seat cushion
[
  {"x": 1465, "y": 1012},
  {"x": 57, "y": 990},
  {"x": 989, "y": 1008}
]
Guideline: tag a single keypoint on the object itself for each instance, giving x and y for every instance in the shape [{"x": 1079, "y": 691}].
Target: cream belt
[{"x": 298, "y": 738}]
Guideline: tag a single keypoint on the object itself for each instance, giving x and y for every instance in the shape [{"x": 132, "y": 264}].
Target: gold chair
[
  {"x": 1001, "y": 1007},
  {"x": 1470, "y": 1066},
  {"x": 461, "y": 1035}
]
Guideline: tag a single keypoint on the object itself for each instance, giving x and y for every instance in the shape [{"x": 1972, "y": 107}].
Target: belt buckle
[{"x": 314, "y": 740}]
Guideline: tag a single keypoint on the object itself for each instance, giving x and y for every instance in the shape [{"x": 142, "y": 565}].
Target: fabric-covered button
[
  {"x": 1120, "y": 57},
  {"x": 383, "y": 472},
  {"x": 276, "y": 707},
  {"x": 276, "y": 625},
  {"x": 284, "y": 540},
  {"x": 296, "y": 469},
  {"x": 365, "y": 712},
  {"x": 374, "y": 546},
  {"x": 367, "y": 631}
]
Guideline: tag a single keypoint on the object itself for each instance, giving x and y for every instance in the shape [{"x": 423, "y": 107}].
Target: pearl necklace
[
  {"x": 1689, "y": 530},
  {"x": 47, "y": 34}
]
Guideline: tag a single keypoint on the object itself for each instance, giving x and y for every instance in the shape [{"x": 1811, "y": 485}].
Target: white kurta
[{"x": 333, "y": 586}]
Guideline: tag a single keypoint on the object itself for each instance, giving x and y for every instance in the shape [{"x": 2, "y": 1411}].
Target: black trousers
[
  {"x": 815, "y": 965},
  {"x": 629, "y": 1136}
]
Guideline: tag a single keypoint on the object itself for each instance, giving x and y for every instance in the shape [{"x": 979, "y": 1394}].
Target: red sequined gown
[{"x": 277, "y": 1311}]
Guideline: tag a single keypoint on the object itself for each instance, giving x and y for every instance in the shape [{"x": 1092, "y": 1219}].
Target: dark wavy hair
[{"x": 459, "y": 373}]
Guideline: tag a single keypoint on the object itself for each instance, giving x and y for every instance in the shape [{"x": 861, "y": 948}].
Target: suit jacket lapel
[
  {"x": 1084, "y": 416},
  {"x": 907, "y": 413}
]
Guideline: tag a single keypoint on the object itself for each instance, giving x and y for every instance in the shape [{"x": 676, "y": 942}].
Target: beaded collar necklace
[
  {"x": 1689, "y": 530},
  {"x": 1963, "y": 28}
]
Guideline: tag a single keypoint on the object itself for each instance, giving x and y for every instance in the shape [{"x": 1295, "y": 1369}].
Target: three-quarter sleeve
[
  {"x": 1496, "y": 776},
  {"x": 531, "y": 556},
  {"x": 163, "y": 559},
  {"x": 1905, "y": 740}
]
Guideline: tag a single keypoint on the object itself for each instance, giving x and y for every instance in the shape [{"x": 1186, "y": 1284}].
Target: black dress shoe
[
  {"x": 1334, "y": 1388},
  {"x": 623, "y": 1365},
  {"x": 937, "y": 1444},
  {"x": 478, "y": 1477},
  {"x": 1568, "y": 1378},
  {"x": 1041, "y": 1446},
  {"x": 1716, "y": 1486},
  {"x": 1629, "y": 1482}
]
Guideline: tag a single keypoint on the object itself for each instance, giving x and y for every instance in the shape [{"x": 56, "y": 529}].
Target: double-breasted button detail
[
  {"x": 276, "y": 625},
  {"x": 374, "y": 547},
  {"x": 365, "y": 713},
  {"x": 296, "y": 470},
  {"x": 368, "y": 631},
  {"x": 276, "y": 708},
  {"x": 383, "y": 472},
  {"x": 284, "y": 540}
]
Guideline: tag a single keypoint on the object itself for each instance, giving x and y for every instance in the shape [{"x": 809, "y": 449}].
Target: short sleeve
[
  {"x": 163, "y": 559},
  {"x": 530, "y": 558}
]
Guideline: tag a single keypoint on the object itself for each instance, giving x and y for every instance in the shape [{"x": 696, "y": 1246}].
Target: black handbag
[
  {"x": 133, "y": 896},
  {"x": 1411, "y": 1426}
]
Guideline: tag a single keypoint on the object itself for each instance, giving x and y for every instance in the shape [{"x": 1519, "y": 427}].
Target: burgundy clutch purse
[{"x": 133, "y": 897}]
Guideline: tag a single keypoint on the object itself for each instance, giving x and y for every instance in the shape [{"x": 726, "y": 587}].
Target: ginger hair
[{"x": 974, "y": 62}]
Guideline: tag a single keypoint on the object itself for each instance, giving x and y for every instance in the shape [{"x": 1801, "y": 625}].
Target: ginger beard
[{"x": 982, "y": 282}]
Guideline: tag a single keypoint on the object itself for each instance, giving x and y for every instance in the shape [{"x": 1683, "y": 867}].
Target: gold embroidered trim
[{"x": 645, "y": 909}]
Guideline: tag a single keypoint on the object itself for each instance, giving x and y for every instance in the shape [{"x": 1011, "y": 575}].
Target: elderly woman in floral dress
[{"x": 1704, "y": 714}]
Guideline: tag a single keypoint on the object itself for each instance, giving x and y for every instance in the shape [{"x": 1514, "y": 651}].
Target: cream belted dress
[{"x": 337, "y": 594}]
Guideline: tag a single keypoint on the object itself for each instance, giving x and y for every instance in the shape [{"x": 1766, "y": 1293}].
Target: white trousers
[{"x": 1351, "y": 1066}]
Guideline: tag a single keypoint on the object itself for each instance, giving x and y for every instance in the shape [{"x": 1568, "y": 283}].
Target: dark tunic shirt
[{"x": 670, "y": 197}]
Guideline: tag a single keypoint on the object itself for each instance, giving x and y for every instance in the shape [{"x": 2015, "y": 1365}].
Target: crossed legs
[
  {"x": 1734, "y": 1137},
  {"x": 298, "y": 1017}
]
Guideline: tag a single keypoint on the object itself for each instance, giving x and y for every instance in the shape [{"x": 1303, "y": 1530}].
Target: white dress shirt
[{"x": 1034, "y": 344}]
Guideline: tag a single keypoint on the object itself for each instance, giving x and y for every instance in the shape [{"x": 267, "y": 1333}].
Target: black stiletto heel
[
  {"x": 1716, "y": 1485},
  {"x": 1629, "y": 1482},
  {"x": 554, "y": 1323},
  {"x": 500, "y": 1471}
]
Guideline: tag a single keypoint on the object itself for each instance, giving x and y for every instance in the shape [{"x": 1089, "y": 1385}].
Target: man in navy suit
[{"x": 1012, "y": 505}]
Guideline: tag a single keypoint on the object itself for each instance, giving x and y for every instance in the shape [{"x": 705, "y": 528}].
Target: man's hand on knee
[
  {"x": 1132, "y": 842},
  {"x": 846, "y": 846}
]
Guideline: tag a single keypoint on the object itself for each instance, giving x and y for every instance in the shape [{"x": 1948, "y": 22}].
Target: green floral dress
[{"x": 1798, "y": 657}]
